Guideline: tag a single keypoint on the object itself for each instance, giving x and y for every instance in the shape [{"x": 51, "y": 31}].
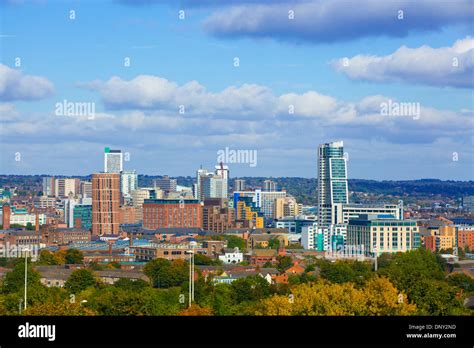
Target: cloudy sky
[{"x": 171, "y": 83}]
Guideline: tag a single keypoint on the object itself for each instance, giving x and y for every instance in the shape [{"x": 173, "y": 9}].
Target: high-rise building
[
  {"x": 371, "y": 235},
  {"x": 217, "y": 216},
  {"x": 246, "y": 210},
  {"x": 200, "y": 173},
  {"x": 69, "y": 205},
  {"x": 442, "y": 232},
  {"x": 264, "y": 200},
  {"x": 323, "y": 238},
  {"x": 169, "y": 213},
  {"x": 48, "y": 186},
  {"x": 113, "y": 161},
  {"x": 166, "y": 184},
  {"x": 213, "y": 186},
  {"x": 83, "y": 216},
  {"x": 285, "y": 206},
  {"x": 239, "y": 185},
  {"x": 129, "y": 182},
  {"x": 86, "y": 189},
  {"x": 66, "y": 187},
  {"x": 6, "y": 212},
  {"x": 332, "y": 181},
  {"x": 269, "y": 185},
  {"x": 105, "y": 203},
  {"x": 222, "y": 171}
]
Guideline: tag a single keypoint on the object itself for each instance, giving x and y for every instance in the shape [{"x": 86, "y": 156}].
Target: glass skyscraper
[{"x": 332, "y": 181}]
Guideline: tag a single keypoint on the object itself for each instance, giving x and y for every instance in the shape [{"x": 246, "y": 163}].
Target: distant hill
[{"x": 304, "y": 189}]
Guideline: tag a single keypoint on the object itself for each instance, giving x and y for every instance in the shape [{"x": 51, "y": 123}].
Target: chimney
[
  {"x": 78, "y": 223},
  {"x": 6, "y": 217},
  {"x": 37, "y": 222}
]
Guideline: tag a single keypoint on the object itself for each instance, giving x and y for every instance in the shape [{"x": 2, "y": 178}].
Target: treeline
[{"x": 412, "y": 283}]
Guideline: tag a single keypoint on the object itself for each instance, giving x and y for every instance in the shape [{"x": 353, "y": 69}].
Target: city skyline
[{"x": 174, "y": 89}]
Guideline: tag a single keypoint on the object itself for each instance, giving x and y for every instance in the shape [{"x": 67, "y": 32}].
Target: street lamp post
[
  {"x": 375, "y": 255},
  {"x": 191, "y": 272},
  {"x": 26, "y": 274}
]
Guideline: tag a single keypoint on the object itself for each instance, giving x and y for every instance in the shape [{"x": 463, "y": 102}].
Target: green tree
[
  {"x": 346, "y": 271},
  {"x": 80, "y": 280},
  {"x": 283, "y": 263},
  {"x": 274, "y": 243},
  {"x": 462, "y": 281},
  {"x": 15, "y": 280},
  {"x": 46, "y": 257},
  {"x": 200, "y": 259},
  {"x": 267, "y": 264},
  {"x": 420, "y": 274},
  {"x": 250, "y": 288},
  {"x": 165, "y": 273},
  {"x": 128, "y": 284},
  {"x": 235, "y": 242},
  {"x": 73, "y": 256}
]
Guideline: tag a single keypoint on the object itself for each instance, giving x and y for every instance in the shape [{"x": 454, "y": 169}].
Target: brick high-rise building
[
  {"x": 6, "y": 216},
  {"x": 466, "y": 238},
  {"x": 217, "y": 216},
  {"x": 168, "y": 213},
  {"x": 105, "y": 203}
]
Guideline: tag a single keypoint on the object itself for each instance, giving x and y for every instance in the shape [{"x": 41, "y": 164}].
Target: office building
[
  {"x": 332, "y": 181},
  {"x": 200, "y": 173},
  {"x": 438, "y": 235},
  {"x": 86, "y": 189},
  {"x": 82, "y": 215},
  {"x": 23, "y": 218},
  {"x": 269, "y": 185},
  {"x": 48, "y": 186},
  {"x": 45, "y": 202},
  {"x": 246, "y": 210},
  {"x": 66, "y": 187},
  {"x": 6, "y": 213},
  {"x": 264, "y": 200},
  {"x": 213, "y": 186},
  {"x": 169, "y": 213},
  {"x": 285, "y": 207},
  {"x": 166, "y": 184},
  {"x": 370, "y": 236},
  {"x": 105, "y": 203},
  {"x": 128, "y": 182},
  {"x": 113, "y": 161},
  {"x": 217, "y": 216},
  {"x": 69, "y": 205},
  {"x": 323, "y": 238},
  {"x": 466, "y": 238},
  {"x": 239, "y": 185},
  {"x": 345, "y": 212}
]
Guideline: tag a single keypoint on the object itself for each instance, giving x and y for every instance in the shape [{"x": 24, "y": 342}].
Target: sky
[{"x": 174, "y": 83}]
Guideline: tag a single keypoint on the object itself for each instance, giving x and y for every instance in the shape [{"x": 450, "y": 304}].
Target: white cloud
[
  {"x": 8, "y": 112},
  {"x": 14, "y": 85},
  {"x": 336, "y": 20},
  {"x": 445, "y": 66}
]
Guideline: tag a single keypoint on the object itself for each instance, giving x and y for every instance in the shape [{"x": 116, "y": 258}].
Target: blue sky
[{"x": 282, "y": 62}]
